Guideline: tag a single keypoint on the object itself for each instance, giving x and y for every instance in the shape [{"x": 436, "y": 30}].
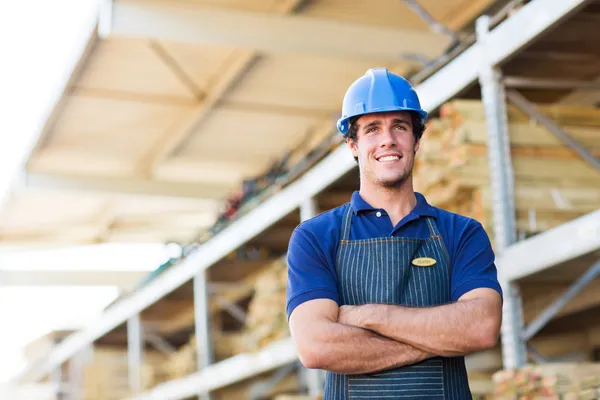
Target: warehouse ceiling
[
  {"x": 165, "y": 115},
  {"x": 168, "y": 111}
]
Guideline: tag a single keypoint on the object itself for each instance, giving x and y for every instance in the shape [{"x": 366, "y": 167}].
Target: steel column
[
  {"x": 76, "y": 366},
  {"x": 315, "y": 379},
  {"x": 134, "y": 353},
  {"x": 57, "y": 378},
  {"x": 308, "y": 209},
  {"x": 502, "y": 186},
  {"x": 202, "y": 324}
]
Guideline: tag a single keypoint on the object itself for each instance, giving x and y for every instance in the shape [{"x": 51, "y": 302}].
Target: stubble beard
[{"x": 393, "y": 183}]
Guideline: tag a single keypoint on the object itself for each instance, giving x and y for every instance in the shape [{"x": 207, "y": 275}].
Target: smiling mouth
[{"x": 387, "y": 159}]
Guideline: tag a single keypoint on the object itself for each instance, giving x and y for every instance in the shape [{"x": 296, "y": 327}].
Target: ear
[
  {"x": 417, "y": 145},
  {"x": 353, "y": 147}
]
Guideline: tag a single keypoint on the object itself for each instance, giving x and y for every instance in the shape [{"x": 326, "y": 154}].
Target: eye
[
  {"x": 371, "y": 129},
  {"x": 401, "y": 127}
]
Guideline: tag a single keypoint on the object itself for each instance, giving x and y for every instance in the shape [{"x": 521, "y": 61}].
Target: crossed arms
[{"x": 374, "y": 337}]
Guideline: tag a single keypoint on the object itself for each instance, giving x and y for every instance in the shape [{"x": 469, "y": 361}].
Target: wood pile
[
  {"x": 549, "y": 382},
  {"x": 254, "y": 389},
  {"x": 105, "y": 375},
  {"x": 267, "y": 319},
  {"x": 266, "y": 322},
  {"x": 182, "y": 362},
  {"x": 552, "y": 183}
]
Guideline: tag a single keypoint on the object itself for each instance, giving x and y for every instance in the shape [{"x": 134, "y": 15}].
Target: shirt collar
[{"x": 422, "y": 208}]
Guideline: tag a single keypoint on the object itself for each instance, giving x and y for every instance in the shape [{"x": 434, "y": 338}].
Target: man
[{"x": 388, "y": 293}]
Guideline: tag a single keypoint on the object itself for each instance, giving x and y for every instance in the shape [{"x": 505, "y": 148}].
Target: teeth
[{"x": 389, "y": 158}]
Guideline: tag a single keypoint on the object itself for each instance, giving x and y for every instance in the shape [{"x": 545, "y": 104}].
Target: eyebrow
[{"x": 394, "y": 121}]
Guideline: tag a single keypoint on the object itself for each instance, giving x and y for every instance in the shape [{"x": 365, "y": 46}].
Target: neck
[{"x": 398, "y": 201}]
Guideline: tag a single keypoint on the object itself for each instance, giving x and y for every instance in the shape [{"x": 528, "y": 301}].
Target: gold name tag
[{"x": 423, "y": 262}]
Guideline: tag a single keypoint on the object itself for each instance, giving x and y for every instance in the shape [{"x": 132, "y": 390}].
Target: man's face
[{"x": 385, "y": 147}]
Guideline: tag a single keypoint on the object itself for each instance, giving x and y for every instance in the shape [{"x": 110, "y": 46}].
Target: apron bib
[{"x": 381, "y": 270}]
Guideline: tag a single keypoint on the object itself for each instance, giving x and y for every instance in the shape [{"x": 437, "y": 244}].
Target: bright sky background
[{"x": 39, "y": 42}]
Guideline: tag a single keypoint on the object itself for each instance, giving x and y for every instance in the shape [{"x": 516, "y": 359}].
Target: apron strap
[
  {"x": 347, "y": 222},
  {"x": 433, "y": 230},
  {"x": 434, "y": 233}
]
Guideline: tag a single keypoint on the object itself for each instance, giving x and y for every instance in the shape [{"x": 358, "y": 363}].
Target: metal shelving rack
[{"x": 480, "y": 63}]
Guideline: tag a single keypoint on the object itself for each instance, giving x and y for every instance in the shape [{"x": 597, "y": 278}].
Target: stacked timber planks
[
  {"x": 549, "y": 382},
  {"x": 267, "y": 320},
  {"x": 105, "y": 375},
  {"x": 182, "y": 362},
  {"x": 552, "y": 183}
]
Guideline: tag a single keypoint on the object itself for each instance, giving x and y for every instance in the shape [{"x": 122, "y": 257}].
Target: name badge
[{"x": 423, "y": 262}]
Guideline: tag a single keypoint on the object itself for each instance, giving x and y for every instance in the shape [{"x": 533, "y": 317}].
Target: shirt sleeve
[
  {"x": 309, "y": 274},
  {"x": 474, "y": 262}
]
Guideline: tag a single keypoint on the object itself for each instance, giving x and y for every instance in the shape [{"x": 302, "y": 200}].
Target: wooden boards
[
  {"x": 549, "y": 381},
  {"x": 552, "y": 184}
]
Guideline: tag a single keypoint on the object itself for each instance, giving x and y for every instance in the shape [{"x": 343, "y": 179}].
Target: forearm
[
  {"x": 448, "y": 330},
  {"x": 351, "y": 350}
]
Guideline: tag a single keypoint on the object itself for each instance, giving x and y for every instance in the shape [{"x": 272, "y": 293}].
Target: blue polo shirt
[{"x": 313, "y": 248}]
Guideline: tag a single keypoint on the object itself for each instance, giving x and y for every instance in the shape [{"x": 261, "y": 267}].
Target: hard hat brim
[{"x": 343, "y": 124}]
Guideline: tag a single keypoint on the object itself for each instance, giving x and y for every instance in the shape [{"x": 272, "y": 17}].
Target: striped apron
[{"x": 380, "y": 270}]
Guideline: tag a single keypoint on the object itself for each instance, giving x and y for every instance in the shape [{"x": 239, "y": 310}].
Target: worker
[{"x": 388, "y": 293}]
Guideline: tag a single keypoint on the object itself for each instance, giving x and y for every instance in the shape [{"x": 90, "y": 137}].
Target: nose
[{"x": 387, "y": 138}]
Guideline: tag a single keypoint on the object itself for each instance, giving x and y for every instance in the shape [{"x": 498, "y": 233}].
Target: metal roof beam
[{"x": 270, "y": 33}]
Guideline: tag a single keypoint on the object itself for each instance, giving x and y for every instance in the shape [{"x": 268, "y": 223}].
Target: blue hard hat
[{"x": 378, "y": 91}]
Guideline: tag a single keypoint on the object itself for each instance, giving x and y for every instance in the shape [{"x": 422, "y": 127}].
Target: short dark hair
[{"x": 417, "y": 122}]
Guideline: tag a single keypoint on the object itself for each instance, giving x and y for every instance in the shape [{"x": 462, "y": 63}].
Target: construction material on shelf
[
  {"x": 266, "y": 322},
  {"x": 105, "y": 374},
  {"x": 259, "y": 387},
  {"x": 182, "y": 362},
  {"x": 553, "y": 184},
  {"x": 549, "y": 381}
]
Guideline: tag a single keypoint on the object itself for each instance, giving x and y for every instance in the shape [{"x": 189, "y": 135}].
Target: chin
[{"x": 390, "y": 182}]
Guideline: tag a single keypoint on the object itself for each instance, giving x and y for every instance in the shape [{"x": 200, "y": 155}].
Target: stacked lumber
[
  {"x": 549, "y": 381},
  {"x": 105, "y": 375},
  {"x": 182, "y": 362},
  {"x": 255, "y": 389},
  {"x": 229, "y": 344},
  {"x": 552, "y": 183},
  {"x": 266, "y": 322},
  {"x": 267, "y": 319}
]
